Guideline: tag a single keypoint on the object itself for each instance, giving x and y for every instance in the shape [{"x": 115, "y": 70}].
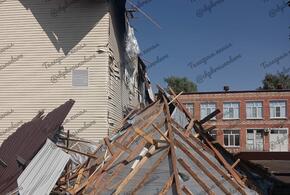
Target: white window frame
[
  {"x": 210, "y": 108},
  {"x": 273, "y": 113},
  {"x": 234, "y": 140},
  {"x": 283, "y": 139},
  {"x": 255, "y": 140},
  {"x": 226, "y": 110},
  {"x": 251, "y": 106}
]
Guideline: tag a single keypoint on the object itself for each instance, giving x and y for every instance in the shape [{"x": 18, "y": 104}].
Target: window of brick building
[
  {"x": 206, "y": 109},
  {"x": 231, "y": 110},
  {"x": 232, "y": 138},
  {"x": 278, "y": 109},
  {"x": 254, "y": 110},
  {"x": 190, "y": 107},
  {"x": 255, "y": 139}
]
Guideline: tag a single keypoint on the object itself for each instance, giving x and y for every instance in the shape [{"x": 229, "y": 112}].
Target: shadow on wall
[{"x": 66, "y": 22}]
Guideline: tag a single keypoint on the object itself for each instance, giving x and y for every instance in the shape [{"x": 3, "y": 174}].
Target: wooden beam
[
  {"x": 215, "y": 167},
  {"x": 109, "y": 146},
  {"x": 186, "y": 190},
  {"x": 78, "y": 180},
  {"x": 161, "y": 133},
  {"x": 220, "y": 157},
  {"x": 210, "y": 116},
  {"x": 181, "y": 106},
  {"x": 96, "y": 178},
  {"x": 147, "y": 175},
  {"x": 167, "y": 185},
  {"x": 143, "y": 134},
  {"x": 75, "y": 151},
  {"x": 202, "y": 167},
  {"x": 125, "y": 149},
  {"x": 195, "y": 176},
  {"x": 235, "y": 164},
  {"x": 172, "y": 149},
  {"x": 126, "y": 180},
  {"x": 76, "y": 140},
  {"x": 175, "y": 98}
]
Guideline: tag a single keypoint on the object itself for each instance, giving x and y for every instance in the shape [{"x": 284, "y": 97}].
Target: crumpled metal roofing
[
  {"x": 26, "y": 142},
  {"x": 40, "y": 176}
]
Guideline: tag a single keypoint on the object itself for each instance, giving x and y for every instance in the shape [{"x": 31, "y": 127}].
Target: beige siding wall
[
  {"x": 120, "y": 96},
  {"x": 115, "y": 85},
  {"x": 33, "y": 32}
]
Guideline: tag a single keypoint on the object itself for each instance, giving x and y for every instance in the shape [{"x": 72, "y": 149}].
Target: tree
[
  {"x": 276, "y": 81},
  {"x": 179, "y": 84}
]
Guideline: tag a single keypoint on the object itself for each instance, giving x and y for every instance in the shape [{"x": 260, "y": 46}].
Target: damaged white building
[{"x": 55, "y": 50}]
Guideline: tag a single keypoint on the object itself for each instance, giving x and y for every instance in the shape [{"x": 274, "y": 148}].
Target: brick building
[{"x": 249, "y": 120}]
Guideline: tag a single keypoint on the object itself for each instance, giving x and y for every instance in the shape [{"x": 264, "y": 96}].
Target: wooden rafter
[
  {"x": 172, "y": 149},
  {"x": 202, "y": 167},
  {"x": 214, "y": 166},
  {"x": 195, "y": 176},
  {"x": 167, "y": 185},
  {"x": 151, "y": 170}
]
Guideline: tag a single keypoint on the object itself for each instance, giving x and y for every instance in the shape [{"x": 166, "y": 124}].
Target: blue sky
[{"x": 256, "y": 30}]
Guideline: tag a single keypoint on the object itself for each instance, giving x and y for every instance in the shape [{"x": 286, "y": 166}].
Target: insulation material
[{"x": 132, "y": 47}]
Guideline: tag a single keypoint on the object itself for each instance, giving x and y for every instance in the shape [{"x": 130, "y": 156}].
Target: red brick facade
[{"x": 244, "y": 125}]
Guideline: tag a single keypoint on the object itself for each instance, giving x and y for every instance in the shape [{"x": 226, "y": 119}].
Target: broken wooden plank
[{"x": 235, "y": 164}]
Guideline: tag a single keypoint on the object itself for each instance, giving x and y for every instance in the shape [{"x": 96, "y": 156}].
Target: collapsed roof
[{"x": 158, "y": 149}]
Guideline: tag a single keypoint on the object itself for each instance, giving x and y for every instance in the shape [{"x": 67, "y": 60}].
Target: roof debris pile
[{"x": 159, "y": 149}]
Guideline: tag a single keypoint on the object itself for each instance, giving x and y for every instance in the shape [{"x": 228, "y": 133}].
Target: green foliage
[
  {"x": 276, "y": 81},
  {"x": 179, "y": 84}
]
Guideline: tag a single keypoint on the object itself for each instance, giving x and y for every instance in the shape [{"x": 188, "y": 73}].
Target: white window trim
[
  {"x": 232, "y": 118},
  {"x": 255, "y": 118},
  {"x": 231, "y": 146},
  {"x": 271, "y": 117},
  {"x": 263, "y": 129},
  {"x": 201, "y": 117},
  {"x": 287, "y": 137}
]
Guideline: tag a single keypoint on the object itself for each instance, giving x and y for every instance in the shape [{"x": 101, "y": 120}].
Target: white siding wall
[{"x": 39, "y": 35}]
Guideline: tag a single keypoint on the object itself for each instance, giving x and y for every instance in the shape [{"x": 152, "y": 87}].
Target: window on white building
[
  {"x": 232, "y": 138},
  {"x": 231, "y": 110},
  {"x": 254, "y": 110},
  {"x": 278, "y": 109},
  {"x": 206, "y": 109}
]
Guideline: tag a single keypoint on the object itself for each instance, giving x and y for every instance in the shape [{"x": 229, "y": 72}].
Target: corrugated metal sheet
[
  {"x": 26, "y": 142},
  {"x": 49, "y": 36},
  {"x": 43, "y": 171}
]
